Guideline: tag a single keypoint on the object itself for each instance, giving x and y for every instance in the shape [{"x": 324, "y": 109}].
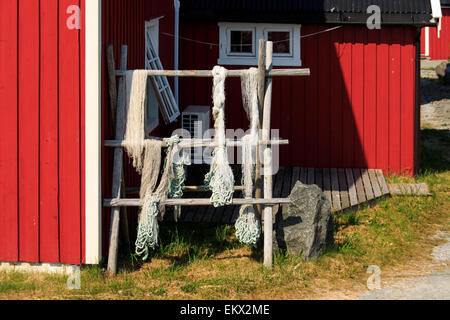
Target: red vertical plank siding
[
  {"x": 49, "y": 191},
  {"x": 370, "y": 99},
  {"x": 69, "y": 135},
  {"x": 383, "y": 84},
  {"x": 40, "y": 84},
  {"x": 28, "y": 130},
  {"x": 395, "y": 79},
  {"x": 408, "y": 97},
  {"x": 298, "y": 113},
  {"x": 348, "y": 121},
  {"x": 440, "y": 46},
  {"x": 9, "y": 244},
  {"x": 323, "y": 119},
  {"x": 358, "y": 72},
  {"x": 336, "y": 87},
  {"x": 311, "y": 62}
]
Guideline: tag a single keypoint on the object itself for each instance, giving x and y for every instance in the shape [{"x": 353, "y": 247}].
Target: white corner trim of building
[
  {"x": 93, "y": 131},
  {"x": 436, "y": 9}
]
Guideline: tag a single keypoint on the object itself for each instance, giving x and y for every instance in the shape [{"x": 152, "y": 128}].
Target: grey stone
[
  {"x": 440, "y": 69},
  {"x": 306, "y": 226},
  {"x": 443, "y": 72}
]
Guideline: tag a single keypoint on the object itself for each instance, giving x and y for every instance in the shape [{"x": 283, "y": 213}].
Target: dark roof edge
[{"x": 305, "y": 17}]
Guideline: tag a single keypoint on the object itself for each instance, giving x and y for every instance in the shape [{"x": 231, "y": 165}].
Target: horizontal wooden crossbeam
[
  {"x": 195, "y": 143},
  {"x": 193, "y": 202},
  {"x": 231, "y": 73}
]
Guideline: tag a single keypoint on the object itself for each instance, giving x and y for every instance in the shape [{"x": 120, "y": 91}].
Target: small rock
[
  {"x": 306, "y": 226},
  {"x": 443, "y": 72}
]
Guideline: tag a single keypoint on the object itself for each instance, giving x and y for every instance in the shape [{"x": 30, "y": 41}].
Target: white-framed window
[
  {"x": 152, "y": 110},
  {"x": 159, "y": 92},
  {"x": 239, "y": 43}
]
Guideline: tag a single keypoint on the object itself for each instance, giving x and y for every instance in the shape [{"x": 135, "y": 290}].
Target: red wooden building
[
  {"x": 436, "y": 41},
  {"x": 359, "y": 109}
]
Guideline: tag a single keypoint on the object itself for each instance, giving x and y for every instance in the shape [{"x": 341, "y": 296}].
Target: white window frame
[
  {"x": 163, "y": 91},
  {"x": 240, "y": 54},
  {"x": 291, "y": 44},
  {"x": 261, "y": 31}
]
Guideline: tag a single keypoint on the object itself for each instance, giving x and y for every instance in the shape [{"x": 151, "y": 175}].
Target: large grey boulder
[
  {"x": 443, "y": 72},
  {"x": 306, "y": 226}
]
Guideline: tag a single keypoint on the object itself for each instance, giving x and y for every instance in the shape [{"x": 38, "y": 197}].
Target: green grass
[{"x": 204, "y": 261}]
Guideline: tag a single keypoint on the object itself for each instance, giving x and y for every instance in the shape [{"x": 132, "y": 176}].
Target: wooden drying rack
[{"x": 266, "y": 200}]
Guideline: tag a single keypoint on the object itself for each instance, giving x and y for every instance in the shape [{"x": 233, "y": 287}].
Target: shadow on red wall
[{"x": 356, "y": 110}]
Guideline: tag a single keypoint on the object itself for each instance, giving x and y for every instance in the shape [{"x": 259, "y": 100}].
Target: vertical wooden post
[
  {"x": 268, "y": 174},
  {"x": 261, "y": 78},
  {"x": 118, "y": 168},
  {"x": 124, "y": 222},
  {"x": 112, "y": 84},
  {"x": 261, "y": 89}
]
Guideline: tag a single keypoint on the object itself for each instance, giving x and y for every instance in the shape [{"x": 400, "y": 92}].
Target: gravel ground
[
  {"x": 435, "y": 105},
  {"x": 435, "y": 111},
  {"x": 434, "y": 286}
]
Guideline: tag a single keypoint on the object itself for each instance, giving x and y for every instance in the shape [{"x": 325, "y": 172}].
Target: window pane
[
  {"x": 152, "y": 112},
  {"x": 242, "y": 41},
  {"x": 281, "y": 41}
]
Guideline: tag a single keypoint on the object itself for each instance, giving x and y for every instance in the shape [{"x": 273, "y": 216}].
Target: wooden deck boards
[{"x": 344, "y": 188}]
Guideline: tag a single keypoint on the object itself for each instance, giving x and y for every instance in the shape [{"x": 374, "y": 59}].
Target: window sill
[{"x": 242, "y": 61}]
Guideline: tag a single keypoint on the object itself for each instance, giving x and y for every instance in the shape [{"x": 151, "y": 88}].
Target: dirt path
[
  {"x": 426, "y": 281},
  {"x": 434, "y": 285}
]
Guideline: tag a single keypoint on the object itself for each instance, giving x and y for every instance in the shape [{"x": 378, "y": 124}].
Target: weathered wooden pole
[
  {"x": 268, "y": 174},
  {"x": 261, "y": 89},
  {"x": 118, "y": 168},
  {"x": 231, "y": 73},
  {"x": 195, "y": 202}
]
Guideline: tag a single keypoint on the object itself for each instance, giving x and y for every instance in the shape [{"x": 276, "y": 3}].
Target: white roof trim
[
  {"x": 437, "y": 14},
  {"x": 436, "y": 9}
]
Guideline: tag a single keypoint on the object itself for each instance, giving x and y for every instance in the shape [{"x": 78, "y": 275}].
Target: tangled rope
[
  {"x": 171, "y": 185},
  {"x": 135, "y": 95},
  {"x": 248, "y": 227},
  {"x": 220, "y": 179},
  {"x": 178, "y": 177},
  {"x": 146, "y": 158}
]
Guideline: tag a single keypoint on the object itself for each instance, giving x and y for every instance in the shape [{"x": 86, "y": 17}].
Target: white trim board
[
  {"x": 44, "y": 268},
  {"x": 93, "y": 126}
]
